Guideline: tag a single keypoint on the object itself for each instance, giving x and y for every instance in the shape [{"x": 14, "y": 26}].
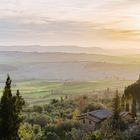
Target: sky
[{"x": 95, "y": 23}]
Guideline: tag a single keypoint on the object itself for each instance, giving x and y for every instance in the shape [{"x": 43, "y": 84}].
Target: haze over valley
[{"x": 69, "y": 64}]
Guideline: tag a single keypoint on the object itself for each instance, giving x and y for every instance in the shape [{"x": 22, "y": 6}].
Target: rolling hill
[{"x": 67, "y": 66}]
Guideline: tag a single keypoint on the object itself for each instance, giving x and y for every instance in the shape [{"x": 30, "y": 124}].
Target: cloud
[
  {"x": 61, "y": 31},
  {"x": 69, "y": 21}
]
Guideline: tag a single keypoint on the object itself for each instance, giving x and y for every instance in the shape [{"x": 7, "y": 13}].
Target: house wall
[{"x": 89, "y": 124}]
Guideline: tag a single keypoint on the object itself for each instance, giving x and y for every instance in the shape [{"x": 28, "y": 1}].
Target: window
[
  {"x": 84, "y": 121},
  {"x": 89, "y": 122}
]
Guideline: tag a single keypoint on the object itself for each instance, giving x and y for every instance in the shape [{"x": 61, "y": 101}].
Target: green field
[{"x": 40, "y": 92}]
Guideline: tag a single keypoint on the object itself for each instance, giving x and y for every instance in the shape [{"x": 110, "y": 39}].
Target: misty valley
[{"x": 69, "y": 96}]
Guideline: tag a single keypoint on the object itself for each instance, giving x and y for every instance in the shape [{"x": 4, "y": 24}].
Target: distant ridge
[
  {"x": 66, "y": 66},
  {"x": 70, "y": 49},
  {"x": 63, "y": 48}
]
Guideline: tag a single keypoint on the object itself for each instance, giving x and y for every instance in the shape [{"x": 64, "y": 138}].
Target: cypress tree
[
  {"x": 127, "y": 107},
  {"x": 10, "y": 113},
  {"x": 122, "y": 103},
  {"x": 113, "y": 127},
  {"x": 116, "y": 106},
  {"x": 117, "y": 123},
  {"x": 133, "y": 109}
]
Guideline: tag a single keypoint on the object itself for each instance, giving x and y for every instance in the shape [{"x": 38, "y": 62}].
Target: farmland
[{"x": 42, "y": 91}]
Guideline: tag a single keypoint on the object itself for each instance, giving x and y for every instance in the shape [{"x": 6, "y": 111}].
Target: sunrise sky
[{"x": 100, "y": 23}]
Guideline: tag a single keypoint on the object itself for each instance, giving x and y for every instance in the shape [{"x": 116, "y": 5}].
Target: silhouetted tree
[
  {"x": 127, "y": 107},
  {"x": 52, "y": 136},
  {"x": 61, "y": 99},
  {"x": 116, "y": 106},
  {"x": 122, "y": 103},
  {"x": 10, "y": 113},
  {"x": 133, "y": 109}
]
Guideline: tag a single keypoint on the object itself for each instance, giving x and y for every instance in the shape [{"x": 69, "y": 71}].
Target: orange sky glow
[{"x": 99, "y": 23}]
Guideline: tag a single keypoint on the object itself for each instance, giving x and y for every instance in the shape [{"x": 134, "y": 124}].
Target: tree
[
  {"x": 114, "y": 126},
  {"x": 26, "y": 132},
  {"x": 116, "y": 107},
  {"x": 122, "y": 103},
  {"x": 127, "y": 107},
  {"x": 95, "y": 135},
  {"x": 133, "y": 109},
  {"x": 78, "y": 134},
  {"x": 91, "y": 107},
  {"x": 37, "y": 132},
  {"x": 76, "y": 113},
  {"x": 10, "y": 113},
  {"x": 52, "y": 136},
  {"x": 61, "y": 99},
  {"x": 85, "y": 99},
  {"x": 132, "y": 92},
  {"x": 37, "y": 108},
  {"x": 68, "y": 136},
  {"x": 133, "y": 133},
  {"x": 29, "y": 132}
]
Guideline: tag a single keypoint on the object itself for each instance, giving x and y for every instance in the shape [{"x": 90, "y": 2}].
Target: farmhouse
[{"x": 92, "y": 120}]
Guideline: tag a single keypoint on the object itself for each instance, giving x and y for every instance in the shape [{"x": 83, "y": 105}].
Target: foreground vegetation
[{"x": 57, "y": 118}]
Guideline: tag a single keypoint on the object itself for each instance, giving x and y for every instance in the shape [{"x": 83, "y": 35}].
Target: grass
[{"x": 42, "y": 91}]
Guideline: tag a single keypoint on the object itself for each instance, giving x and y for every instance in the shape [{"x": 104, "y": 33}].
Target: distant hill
[
  {"x": 34, "y": 57},
  {"x": 67, "y": 66},
  {"x": 70, "y": 49},
  {"x": 52, "y": 49}
]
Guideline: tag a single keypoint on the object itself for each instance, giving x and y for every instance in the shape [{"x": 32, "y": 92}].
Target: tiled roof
[
  {"x": 101, "y": 113},
  {"x": 124, "y": 114}
]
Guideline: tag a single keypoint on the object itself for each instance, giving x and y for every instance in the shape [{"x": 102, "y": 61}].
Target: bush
[
  {"x": 91, "y": 107},
  {"x": 51, "y": 136},
  {"x": 37, "y": 108}
]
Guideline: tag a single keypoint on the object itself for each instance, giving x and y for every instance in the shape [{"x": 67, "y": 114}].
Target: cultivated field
[{"x": 42, "y": 91}]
